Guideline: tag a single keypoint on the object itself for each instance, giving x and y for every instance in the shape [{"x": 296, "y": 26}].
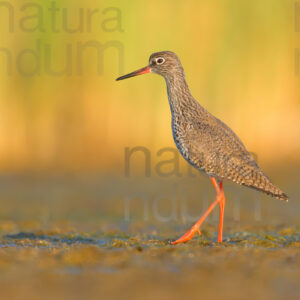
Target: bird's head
[{"x": 163, "y": 63}]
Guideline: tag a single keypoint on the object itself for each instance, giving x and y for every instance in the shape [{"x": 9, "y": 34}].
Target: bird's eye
[{"x": 160, "y": 60}]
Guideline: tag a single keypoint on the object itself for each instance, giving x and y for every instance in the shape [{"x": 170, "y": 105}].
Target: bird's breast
[{"x": 181, "y": 130}]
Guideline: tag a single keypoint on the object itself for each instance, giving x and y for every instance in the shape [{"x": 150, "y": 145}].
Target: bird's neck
[{"x": 180, "y": 97}]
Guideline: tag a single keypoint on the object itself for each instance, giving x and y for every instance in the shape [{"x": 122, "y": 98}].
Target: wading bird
[{"x": 204, "y": 141}]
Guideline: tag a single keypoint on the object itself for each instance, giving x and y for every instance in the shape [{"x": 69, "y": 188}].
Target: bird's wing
[{"x": 216, "y": 149}]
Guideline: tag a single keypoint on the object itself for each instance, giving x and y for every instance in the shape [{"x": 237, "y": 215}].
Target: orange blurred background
[{"x": 239, "y": 58}]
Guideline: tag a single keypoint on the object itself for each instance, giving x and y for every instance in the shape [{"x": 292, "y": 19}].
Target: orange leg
[
  {"x": 222, "y": 206},
  {"x": 219, "y": 199}
]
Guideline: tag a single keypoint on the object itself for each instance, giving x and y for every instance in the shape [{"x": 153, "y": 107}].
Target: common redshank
[{"x": 204, "y": 141}]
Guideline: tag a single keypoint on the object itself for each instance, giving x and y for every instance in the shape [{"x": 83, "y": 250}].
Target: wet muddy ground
[{"x": 72, "y": 241}]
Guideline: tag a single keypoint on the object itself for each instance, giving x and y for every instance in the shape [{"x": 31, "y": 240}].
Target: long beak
[{"x": 135, "y": 73}]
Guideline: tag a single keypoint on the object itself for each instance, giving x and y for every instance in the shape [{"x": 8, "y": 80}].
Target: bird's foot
[
  {"x": 220, "y": 238},
  {"x": 187, "y": 236}
]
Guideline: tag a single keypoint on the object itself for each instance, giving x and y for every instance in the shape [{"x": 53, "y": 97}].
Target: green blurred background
[{"x": 239, "y": 59}]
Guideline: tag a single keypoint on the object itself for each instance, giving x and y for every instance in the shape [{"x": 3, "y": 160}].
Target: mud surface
[{"x": 71, "y": 246}]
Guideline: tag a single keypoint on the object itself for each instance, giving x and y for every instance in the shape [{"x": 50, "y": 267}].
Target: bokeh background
[
  {"x": 239, "y": 60},
  {"x": 65, "y": 123}
]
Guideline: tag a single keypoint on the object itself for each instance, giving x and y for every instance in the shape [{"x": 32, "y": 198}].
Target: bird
[{"x": 205, "y": 142}]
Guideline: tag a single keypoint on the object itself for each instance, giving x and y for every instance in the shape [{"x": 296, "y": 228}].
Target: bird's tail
[{"x": 264, "y": 184}]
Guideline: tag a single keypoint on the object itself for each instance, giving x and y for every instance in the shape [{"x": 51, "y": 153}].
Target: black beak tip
[{"x": 122, "y": 77}]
